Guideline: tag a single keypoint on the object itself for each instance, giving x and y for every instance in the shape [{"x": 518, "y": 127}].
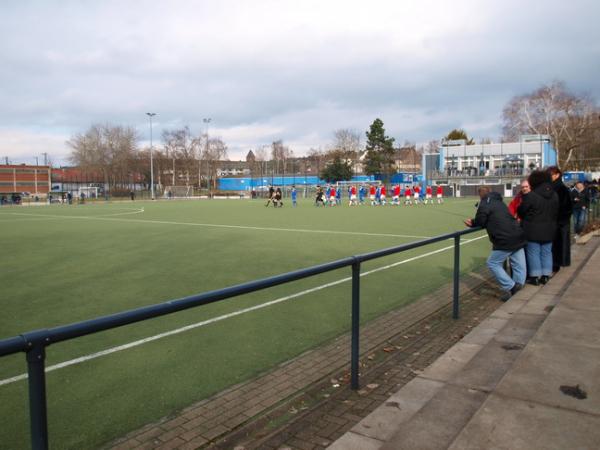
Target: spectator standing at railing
[
  {"x": 517, "y": 199},
  {"x": 561, "y": 246},
  {"x": 581, "y": 203},
  {"x": 508, "y": 241},
  {"x": 538, "y": 212}
]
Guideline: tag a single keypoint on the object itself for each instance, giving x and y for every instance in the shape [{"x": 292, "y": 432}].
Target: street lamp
[
  {"x": 151, "y": 115},
  {"x": 206, "y": 121}
]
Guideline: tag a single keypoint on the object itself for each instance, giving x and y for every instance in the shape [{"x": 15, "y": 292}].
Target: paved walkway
[{"x": 527, "y": 377}]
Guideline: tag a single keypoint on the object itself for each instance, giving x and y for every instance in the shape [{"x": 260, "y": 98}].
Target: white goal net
[{"x": 179, "y": 191}]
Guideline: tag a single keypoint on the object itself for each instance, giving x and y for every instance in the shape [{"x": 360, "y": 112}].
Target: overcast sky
[{"x": 291, "y": 70}]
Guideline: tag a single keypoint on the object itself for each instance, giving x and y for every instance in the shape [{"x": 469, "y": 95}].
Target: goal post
[{"x": 179, "y": 191}]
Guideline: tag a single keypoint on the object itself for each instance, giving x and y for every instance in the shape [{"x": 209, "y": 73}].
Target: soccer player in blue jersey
[
  {"x": 294, "y": 196},
  {"x": 362, "y": 191}
]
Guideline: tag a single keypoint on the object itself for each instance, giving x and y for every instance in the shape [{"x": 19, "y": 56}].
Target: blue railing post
[
  {"x": 36, "y": 357},
  {"x": 455, "y": 301},
  {"x": 354, "y": 384}
]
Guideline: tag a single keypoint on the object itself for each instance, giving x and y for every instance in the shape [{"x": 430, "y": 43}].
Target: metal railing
[{"x": 34, "y": 343}]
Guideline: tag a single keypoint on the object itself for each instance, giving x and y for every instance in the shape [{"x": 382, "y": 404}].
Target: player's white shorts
[
  {"x": 416, "y": 196},
  {"x": 439, "y": 196},
  {"x": 372, "y": 197},
  {"x": 353, "y": 197},
  {"x": 332, "y": 198},
  {"x": 427, "y": 195},
  {"x": 395, "y": 198},
  {"x": 382, "y": 197}
]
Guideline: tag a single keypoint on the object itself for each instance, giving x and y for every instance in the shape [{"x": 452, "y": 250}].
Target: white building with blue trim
[{"x": 501, "y": 166}]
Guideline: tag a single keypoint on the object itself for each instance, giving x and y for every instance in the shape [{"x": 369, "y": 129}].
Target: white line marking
[
  {"x": 227, "y": 316},
  {"x": 215, "y": 225}
]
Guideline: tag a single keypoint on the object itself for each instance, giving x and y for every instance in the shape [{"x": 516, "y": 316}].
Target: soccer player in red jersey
[
  {"x": 352, "y": 196},
  {"x": 440, "y": 193},
  {"x": 396, "y": 195},
  {"x": 382, "y": 193},
  {"x": 372, "y": 191},
  {"x": 332, "y": 201},
  {"x": 428, "y": 192},
  {"x": 407, "y": 195}
]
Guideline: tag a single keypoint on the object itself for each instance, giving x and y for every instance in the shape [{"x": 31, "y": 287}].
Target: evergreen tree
[
  {"x": 337, "y": 170},
  {"x": 458, "y": 134},
  {"x": 380, "y": 151}
]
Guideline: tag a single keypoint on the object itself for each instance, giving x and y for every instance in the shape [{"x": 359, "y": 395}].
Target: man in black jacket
[
  {"x": 581, "y": 203},
  {"x": 507, "y": 237},
  {"x": 561, "y": 246}
]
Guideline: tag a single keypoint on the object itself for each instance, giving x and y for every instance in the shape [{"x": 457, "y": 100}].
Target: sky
[{"x": 293, "y": 70}]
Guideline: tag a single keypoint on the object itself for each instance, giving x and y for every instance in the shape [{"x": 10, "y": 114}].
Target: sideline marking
[
  {"x": 216, "y": 225},
  {"x": 227, "y": 316}
]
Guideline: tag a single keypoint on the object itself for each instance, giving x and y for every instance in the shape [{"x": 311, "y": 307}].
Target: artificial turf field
[{"x": 62, "y": 264}]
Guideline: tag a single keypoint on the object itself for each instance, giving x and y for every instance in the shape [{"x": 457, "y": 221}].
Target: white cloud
[
  {"x": 22, "y": 146},
  {"x": 284, "y": 69}
]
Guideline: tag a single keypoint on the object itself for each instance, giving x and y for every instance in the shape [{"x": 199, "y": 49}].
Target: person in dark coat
[
  {"x": 539, "y": 211},
  {"x": 561, "y": 245},
  {"x": 507, "y": 237},
  {"x": 581, "y": 202}
]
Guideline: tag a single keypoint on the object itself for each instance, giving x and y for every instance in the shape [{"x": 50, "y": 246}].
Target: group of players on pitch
[
  {"x": 377, "y": 195},
  {"x": 332, "y": 195}
]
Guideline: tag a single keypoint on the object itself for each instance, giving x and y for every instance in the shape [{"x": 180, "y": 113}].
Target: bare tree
[
  {"x": 347, "y": 141},
  {"x": 554, "y": 111},
  {"x": 433, "y": 146},
  {"x": 215, "y": 151},
  {"x": 261, "y": 161},
  {"x": 316, "y": 157},
  {"x": 106, "y": 149},
  {"x": 185, "y": 148}
]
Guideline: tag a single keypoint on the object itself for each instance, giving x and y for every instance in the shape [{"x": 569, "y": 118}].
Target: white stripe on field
[
  {"x": 226, "y": 316},
  {"x": 215, "y": 225}
]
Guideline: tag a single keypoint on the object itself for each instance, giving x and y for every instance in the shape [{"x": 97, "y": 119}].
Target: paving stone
[
  {"x": 352, "y": 441},
  {"x": 485, "y": 331},
  {"x": 451, "y": 362},
  {"x": 553, "y": 365},
  {"x": 519, "y": 425},
  {"x": 521, "y": 328},
  {"x": 570, "y": 326},
  {"x": 541, "y": 303},
  {"x": 437, "y": 424},
  {"x": 400, "y": 407},
  {"x": 487, "y": 367}
]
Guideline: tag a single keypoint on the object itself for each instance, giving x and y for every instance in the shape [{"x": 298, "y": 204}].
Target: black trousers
[{"x": 561, "y": 247}]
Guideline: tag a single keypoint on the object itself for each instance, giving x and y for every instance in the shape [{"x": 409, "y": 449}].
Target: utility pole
[{"x": 45, "y": 158}]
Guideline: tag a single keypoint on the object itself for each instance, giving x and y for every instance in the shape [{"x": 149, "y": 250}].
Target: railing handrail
[
  {"x": 34, "y": 343},
  {"x": 61, "y": 333}
]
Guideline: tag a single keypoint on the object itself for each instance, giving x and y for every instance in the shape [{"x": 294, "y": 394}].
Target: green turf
[{"x": 68, "y": 263}]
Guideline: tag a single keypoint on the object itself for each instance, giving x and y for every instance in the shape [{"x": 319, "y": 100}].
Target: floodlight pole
[
  {"x": 151, "y": 115},
  {"x": 206, "y": 121}
]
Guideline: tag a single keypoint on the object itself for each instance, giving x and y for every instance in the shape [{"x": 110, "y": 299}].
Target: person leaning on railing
[{"x": 507, "y": 237}]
